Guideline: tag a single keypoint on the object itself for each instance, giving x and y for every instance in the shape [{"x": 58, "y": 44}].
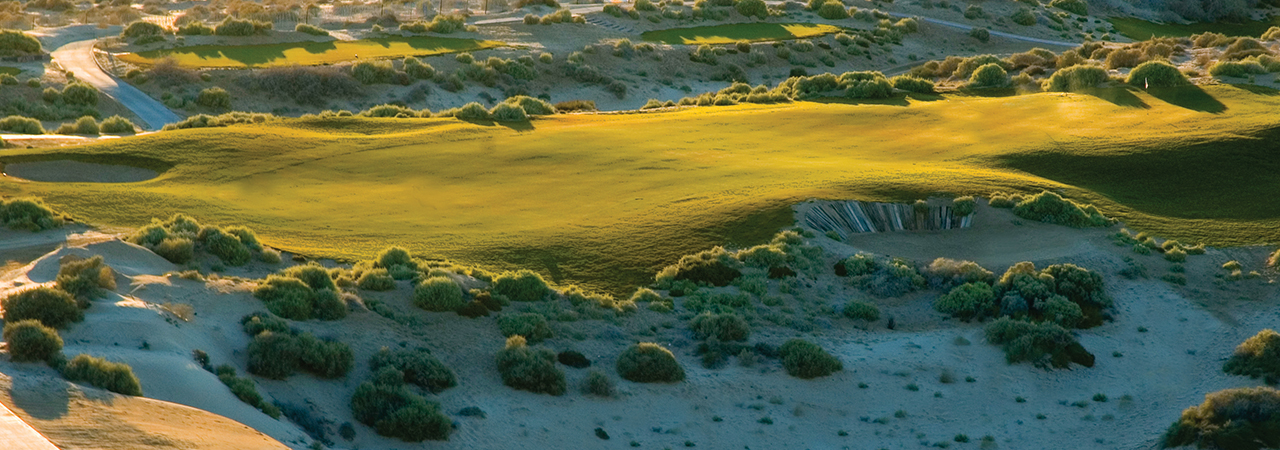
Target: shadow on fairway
[{"x": 1189, "y": 97}]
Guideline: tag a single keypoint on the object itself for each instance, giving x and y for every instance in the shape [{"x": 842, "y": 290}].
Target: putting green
[
  {"x": 1138, "y": 29},
  {"x": 606, "y": 200},
  {"x": 307, "y": 53},
  {"x": 728, "y": 34}
]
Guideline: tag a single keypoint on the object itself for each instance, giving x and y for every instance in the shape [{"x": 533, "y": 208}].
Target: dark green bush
[
  {"x": 967, "y": 301},
  {"x": 649, "y": 363},
  {"x": 752, "y": 8},
  {"x": 177, "y": 250},
  {"x": 724, "y": 327},
  {"x": 857, "y": 265},
  {"x": 1257, "y": 357},
  {"x": 530, "y": 369},
  {"x": 418, "y": 366},
  {"x": 30, "y": 340},
  {"x": 235, "y": 27},
  {"x": 310, "y": 29},
  {"x": 1024, "y": 17},
  {"x": 507, "y": 112},
  {"x": 530, "y": 325},
  {"x": 142, "y": 29},
  {"x": 245, "y": 390},
  {"x": 912, "y": 84},
  {"x": 597, "y": 383},
  {"x": 98, "y": 372},
  {"x": 864, "y": 311},
  {"x": 85, "y": 278},
  {"x": 804, "y": 359},
  {"x": 715, "y": 267},
  {"x": 1238, "y": 69},
  {"x": 1079, "y": 7},
  {"x": 214, "y": 97},
  {"x": 1230, "y": 419},
  {"x": 388, "y": 406},
  {"x": 78, "y": 93},
  {"x": 1044, "y": 344},
  {"x": 522, "y": 286},
  {"x": 117, "y": 124},
  {"x": 195, "y": 29},
  {"x": 833, "y": 10},
  {"x": 376, "y": 280},
  {"x": 254, "y": 324},
  {"x": 884, "y": 278},
  {"x": 989, "y": 76},
  {"x": 1049, "y": 207},
  {"x": 23, "y": 125},
  {"x": 17, "y": 43},
  {"x": 277, "y": 355},
  {"x": 417, "y": 69},
  {"x": 52, "y": 307},
  {"x": 1157, "y": 73},
  {"x": 1077, "y": 77},
  {"x": 301, "y": 293},
  {"x": 374, "y": 72},
  {"x": 225, "y": 246}
]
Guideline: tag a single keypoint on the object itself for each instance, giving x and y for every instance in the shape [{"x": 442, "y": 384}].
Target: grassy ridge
[
  {"x": 605, "y": 200},
  {"x": 307, "y": 53},
  {"x": 1139, "y": 30},
  {"x": 728, "y": 34}
]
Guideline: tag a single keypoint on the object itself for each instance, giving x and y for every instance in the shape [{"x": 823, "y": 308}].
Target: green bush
[
  {"x": 245, "y": 390},
  {"x": 17, "y": 43},
  {"x": 1238, "y": 69},
  {"x": 597, "y": 383},
  {"x": 418, "y": 366},
  {"x": 532, "y": 106},
  {"x": 752, "y": 8},
  {"x": 376, "y": 280},
  {"x": 23, "y": 125},
  {"x": 438, "y": 294},
  {"x": 142, "y": 29},
  {"x": 1257, "y": 357},
  {"x": 804, "y": 359},
  {"x": 256, "y": 323},
  {"x": 1230, "y": 419},
  {"x": 78, "y": 93},
  {"x": 195, "y": 29},
  {"x": 1044, "y": 344},
  {"x": 229, "y": 248},
  {"x": 649, "y": 363},
  {"x": 388, "y": 406},
  {"x": 1176, "y": 254},
  {"x": 30, "y": 340},
  {"x": 723, "y": 327},
  {"x": 530, "y": 369},
  {"x": 947, "y": 273},
  {"x": 1157, "y": 74},
  {"x": 989, "y": 76},
  {"x": 981, "y": 34},
  {"x": 715, "y": 267},
  {"x": 967, "y": 301},
  {"x": 310, "y": 29},
  {"x": 214, "y": 97},
  {"x": 235, "y": 27},
  {"x": 52, "y": 307},
  {"x": 100, "y": 373},
  {"x": 85, "y": 278},
  {"x": 397, "y": 261},
  {"x": 912, "y": 84},
  {"x": 1077, "y": 77},
  {"x": 1059, "y": 310},
  {"x": 117, "y": 124},
  {"x": 864, "y": 311},
  {"x": 507, "y": 112},
  {"x": 833, "y": 10},
  {"x": 963, "y": 206},
  {"x": 301, "y": 293},
  {"x": 521, "y": 286},
  {"x": 530, "y": 325},
  {"x": 373, "y": 72},
  {"x": 1024, "y": 17},
  {"x": 278, "y": 355},
  {"x": 1049, "y": 207},
  {"x": 1078, "y": 7},
  {"x": 417, "y": 69}
]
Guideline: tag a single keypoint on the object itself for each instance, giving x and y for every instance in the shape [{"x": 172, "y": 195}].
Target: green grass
[
  {"x": 6, "y": 70},
  {"x": 604, "y": 201},
  {"x": 308, "y": 53},
  {"x": 1138, "y": 29},
  {"x": 728, "y": 34}
]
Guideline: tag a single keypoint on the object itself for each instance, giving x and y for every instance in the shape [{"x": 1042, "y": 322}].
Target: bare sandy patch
[{"x": 77, "y": 172}]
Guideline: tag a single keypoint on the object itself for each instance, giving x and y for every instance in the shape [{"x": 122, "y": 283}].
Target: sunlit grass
[
  {"x": 728, "y": 34},
  {"x": 1138, "y": 29},
  {"x": 606, "y": 200},
  {"x": 307, "y": 53}
]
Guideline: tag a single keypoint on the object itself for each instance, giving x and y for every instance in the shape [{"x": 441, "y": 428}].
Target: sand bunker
[{"x": 78, "y": 172}]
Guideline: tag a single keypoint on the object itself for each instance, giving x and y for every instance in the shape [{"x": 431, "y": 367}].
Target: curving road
[
  {"x": 77, "y": 57},
  {"x": 1002, "y": 34}
]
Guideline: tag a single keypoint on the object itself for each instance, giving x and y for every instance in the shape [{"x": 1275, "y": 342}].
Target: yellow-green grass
[
  {"x": 1138, "y": 29},
  {"x": 6, "y": 70},
  {"x": 606, "y": 200},
  {"x": 307, "y": 53},
  {"x": 728, "y": 34}
]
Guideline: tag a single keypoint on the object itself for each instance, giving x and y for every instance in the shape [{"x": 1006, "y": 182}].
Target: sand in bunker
[{"x": 77, "y": 172}]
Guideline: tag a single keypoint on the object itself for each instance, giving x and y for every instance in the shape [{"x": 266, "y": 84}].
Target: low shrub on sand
[
  {"x": 1049, "y": 207},
  {"x": 881, "y": 277},
  {"x": 438, "y": 294},
  {"x": 967, "y": 301},
  {"x": 1257, "y": 357},
  {"x": 52, "y": 307},
  {"x": 1157, "y": 74},
  {"x": 85, "y": 278},
  {"x": 947, "y": 273},
  {"x": 245, "y": 390},
  {"x": 804, "y": 359},
  {"x": 1044, "y": 344},
  {"x": 521, "y": 286},
  {"x": 724, "y": 327},
  {"x": 530, "y": 369},
  {"x": 30, "y": 340},
  {"x": 388, "y": 406},
  {"x": 532, "y": 326},
  {"x": 278, "y": 354},
  {"x": 234, "y": 245},
  {"x": 100, "y": 373},
  {"x": 1230, "y": 419},
  {"x": 28, "y": 214},
  {"x": 598, "y": 383},
  {"x": 1077, "y": 77},
  {"x": 715, "y": 267},
  {"x": 863, "y": 311},
  {"x": 649, "y": 363},
  {"x": 418, "y": 366}
]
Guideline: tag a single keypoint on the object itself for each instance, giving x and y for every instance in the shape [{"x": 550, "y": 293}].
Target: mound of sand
[{"x": 77, "y": 172}]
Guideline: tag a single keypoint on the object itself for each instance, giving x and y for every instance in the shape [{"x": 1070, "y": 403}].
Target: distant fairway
[
  {"x": 728, "y": 34},
  {"x": 606, "y": 200},
  {"x": 1139, "y": 29},
  {"x": 307, "y": 53}
]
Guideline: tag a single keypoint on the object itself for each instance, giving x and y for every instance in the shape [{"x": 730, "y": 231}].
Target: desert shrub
[
  {"x": 1238, "y": 69},
  {"x": 1243, "y": 48},
  {"x": 418, "y": 366},
  {"x": 373, "y": 72},
  {"x": 912, "y": 84},
  {"x": 597, "y": 383},
  {"x": 417, "y": 69},
  {"x": 310, "y": 29},
  {"x": 530, "y": 369},
  {"x": 17, "y": 43},
  {"x": 506, "y": 112},
  {"x": 1049, "y": 207},
  {"x": 314, "y": 275},
  {"x": 142, "y": 29},
  {"x": 1044, "y": 344},
  {"x": 388, "y": 406},
  {"x": 30, "y": 340},
  {"x": 1077, "y": 77},
  {"x": 85, "y": 278},
  {"x": 864, "y": 311},
  {"x": 256, "y": 323},
  {"x": 715, "y": 267},
  {"x": 530, "y": 325},
  {"x": 397, "y": 261},
  {"x": 724, "y": 327},
  {"x": 100, "y": 373},
  {"x": 945, "y": 273},
  {"x": 52, "y": 307},
  {"x": 887, "y": 278},
  {"x": 981, "y": 34},
  {"x": 1024, "y": 17},
  {"x": 1081, "y": 286},
  {"x": 195, "y": 29},
  {"x": 1156, "y": 73},
  {"x": 376, "y": 280},
  {"x": 214, "y": 97},
  {"x": 223, "y": 120},
  {"x": 245, "y": 390},
  {"x": 1059, "y": 310},
  {"x": 1230, "y": 419},
  {"x": 967, "y": 301},
  {"x": 277, "y": 355},
  {"x": 314, "y": 86},
  {"x": 963, "y": 206},
  {"x": 521, "y": 286},
  {"x": 226, "y": 247},
  {"x": 532, "y": 106},
  {"x": 290, "y": 297},
  {"x": 78, "y": 93},
  {"x": 833, "y": 10},
  {"x": 989, "y": 76},
  {"x": 649, "y": 363},
  {"x": 1176, "y": 254},
  {"x": 804, "y": 359},
  {"x": 438, "y": 294},
  {"x": 23, "y": 125},
  {"x": 1079, "y": 7},
  {"x": 235, "y": 27},
  {"x": 117, "y": 124},
  {"x": 1257, "y": 357}
]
